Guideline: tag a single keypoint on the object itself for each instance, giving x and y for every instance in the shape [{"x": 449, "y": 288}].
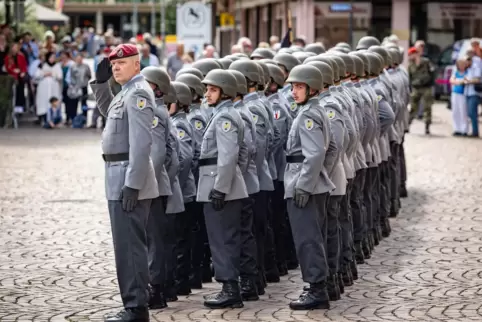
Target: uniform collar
[
  {"x": 221, "y": 105},
  {"x": 286, "y": 88},
  {"x": 273, "y": 96},
  {"x": 159, "y": 101},
  {"x": 373, "y": 81},
  {"x": 195, "y": 106},
  {"x": 133, "y": 80},
  {"x": 347, "y": 83},
  {"x": 261, "y": 94},
  {"x": 179, "y": 115},
  {"x": 238, "y": 104},
  {"x": 324, "y": 94},
  {"x": 333, "y": 89},
  {"x": 251, "y": 97}
]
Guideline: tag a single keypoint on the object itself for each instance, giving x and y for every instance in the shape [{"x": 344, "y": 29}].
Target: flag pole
[{"x": 290, "y": 27}]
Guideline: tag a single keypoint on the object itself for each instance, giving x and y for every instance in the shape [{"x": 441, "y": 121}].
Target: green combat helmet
[
  {"x": 190, "y": 70},
  {"x": 192, "y": 82},
  {"x": 306, "y": 74},
  {"x": 375, "y": 66},
  {"x": 276, "y": 75},
  {"x": 348, "y": 60},
  {"x": 287, "y": 61},
  {"x": 325, "y": 70},
  {"x": 366, "y": 42},
  {"x": 183, "y": 93},
  {"x": 338, "y": 65},
  {"x": 170, "y": 97},
  {"x": 268, "y": 61},
  {"x": 241, "y": 81},
  {"x": 365, "y": 60},
  {"x": 206, "y": 65},
  {"x": 265, "y": 70},
  {"x": 359, "y": 68},
  {"x": 387, "y": 59},
  {"x": 225, "y": 62},
  {"x": 301, "y": 56},
  {"x": 224, "y": 80},
  {"x": 157, "y": 76},
  {"x": 316, "y": 48},
  {"x": 260, "y": 53},
  {"x": 248, "y": 68}
]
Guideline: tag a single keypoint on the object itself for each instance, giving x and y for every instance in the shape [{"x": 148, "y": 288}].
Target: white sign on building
[{"x": 194, "y": 25}]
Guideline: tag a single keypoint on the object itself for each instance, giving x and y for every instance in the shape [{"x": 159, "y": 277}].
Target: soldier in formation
[{"x": 243, "y": 168}]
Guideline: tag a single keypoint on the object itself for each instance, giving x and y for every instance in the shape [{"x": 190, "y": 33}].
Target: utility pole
[
  {"x": 163, "y": 30},
  {"x": 135, "y": 23}
]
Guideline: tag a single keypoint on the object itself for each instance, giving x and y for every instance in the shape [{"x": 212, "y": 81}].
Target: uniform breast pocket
[
  {"x": 208, "y": 142},
  {"x": 115, "y": 120}
]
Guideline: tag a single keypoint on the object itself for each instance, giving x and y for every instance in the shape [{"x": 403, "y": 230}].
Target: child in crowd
[
  {"x": 458, "y": 99},
  {"x": 54, "y": 114}
]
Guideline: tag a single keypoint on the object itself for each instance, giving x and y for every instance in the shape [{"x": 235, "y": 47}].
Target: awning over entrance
[{"x": 48, "y": 16}]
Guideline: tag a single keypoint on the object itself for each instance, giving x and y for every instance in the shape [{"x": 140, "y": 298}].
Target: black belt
[
  {"x": 209, "y": 161},
  {"x": 115, "y": 157},
  {"x": 295, "y": 158}
]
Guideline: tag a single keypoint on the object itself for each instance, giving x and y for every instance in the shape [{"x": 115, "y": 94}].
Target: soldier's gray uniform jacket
[
  {"x": 222, "y": 138},
  {"x": 333, "y": 161},
  {"x": 370, "y": 125},
  {"x": 261, "y": 121},
  {"x": 273, "y": 136},
  {"x": 350, "y": 136},
  {"x": 282, "y": 121},
  {"x": 248, "y": 166},
  {"x": 406, "y": 82},
  {"x": 386, "y": 116},
  {"x": 309, "y": 137},
  {"x": 359, "y": 159},
  {"x": 376, "y": 140},
  {"x": 206, "y": 110},
  {"x": 187, "y": 146},
  {"x": 175, "y": 202},
  {"x": 293, "y": 107},
  {"x": 160, "y": 140},
  {"x": 128, "y": 130},
  {"x": 390, "y": 85},
  {"x": 397, "y": 78},
  {"x": 198, "y": 122}
]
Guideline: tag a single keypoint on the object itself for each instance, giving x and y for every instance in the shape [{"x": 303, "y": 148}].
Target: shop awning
[{"x": 49, "y": 17}]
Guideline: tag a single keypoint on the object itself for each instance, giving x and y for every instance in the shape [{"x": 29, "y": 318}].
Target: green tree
[{"x": 30, "y": 24}]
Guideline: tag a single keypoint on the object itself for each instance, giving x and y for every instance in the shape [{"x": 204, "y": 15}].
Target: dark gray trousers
[
  {"x": 346, "y": 226},
  {"x": 357, "y": 207},
  {"x": 223, "y": 228},
  {"x": 248, "y": 260},
  {"x": 403, "y": 165},
  {"x": 308, "y": 239},
  {"x": 130, "y": 250},
  {"x": 333, "y": 246},
  {"x": 394, "y": 172},
  {"x": 156, "y": 241}
]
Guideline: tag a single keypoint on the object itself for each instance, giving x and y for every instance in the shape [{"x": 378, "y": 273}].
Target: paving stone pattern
[{"x": 56, "y": 258}]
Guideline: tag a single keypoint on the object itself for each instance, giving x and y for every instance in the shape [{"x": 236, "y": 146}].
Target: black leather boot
[
  {"x": 195, "y": 281},
  {"x": 315, "y": 298},
  {"x": 366, "y": 248},
  {"x": 292, "y": 264},
  {"x": 332, "y": 288},
  {"x": 359, "y": 256},
  {"x": 170, "y": 293},
  {"x": 207, "y": 274},
  {"x": 130, "y": 315},
  {"x": 346, "y": 276},
  {"x": 394, "y": 208},
  {"x": 183, "y": 288},
  {"x": 403, "y": 191},
  {"x": 354, "y": 269},
  {"x": 283, "y": 269},
  {"x": 427, "y": 128},
  {"x": 229, "y": 297},
  {"x": 376, "y": 236},
  {"x": 341, "y": 285},
  {"x": 248, "y": 289},
  {"x": 386, "y": 228},
  {"x": 156, "y": 297}
]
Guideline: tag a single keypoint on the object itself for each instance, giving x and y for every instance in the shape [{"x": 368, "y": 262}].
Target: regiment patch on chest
[
  {"x": 293, "y": 106},
  {"x": 181, "y": 134},
  {"x": 141, "y": 103},
  {"x": 255, "y": 118},
  {"x": 379, "y": 98},
  {"x": 226, "y": 126},
  {"x": 331, "y": 114},
  {"x": 277, "y": 115},
  {"x": 198, "y": 125}
]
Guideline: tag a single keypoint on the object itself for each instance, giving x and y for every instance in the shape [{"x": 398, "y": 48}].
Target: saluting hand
[{"x": 104, "y": 71}]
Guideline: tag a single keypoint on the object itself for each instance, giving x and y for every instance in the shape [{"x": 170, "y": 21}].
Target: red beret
[
  {"x": 123, "y": 51},
  {"x": 412, "y": 50}
]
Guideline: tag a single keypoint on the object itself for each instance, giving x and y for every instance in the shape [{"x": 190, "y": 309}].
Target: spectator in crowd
[
  {"x": 49, "y": 42},
  {"x": 175, "y": 62},
  {"x": 236, "y": 49},
  {"x": 78, "y": 78},
  {"x": 476, "y": 52},
  {"x": 263, "y": 45},
  {"x": 273, "y": 40},
  {"x": 276, "y": 47},
  {"x": 300, "y": 42},
  {"x": 246, "y": 45},
  {"x": 148, "y": 58},
  {"x": 3, "y": 53},
  {"x": 187, "y": 59},
  {"x": 48, "y": 77},
  {"x": 29, "y": 47},
  {"x": 148, "y": 40},
  {"x": 473, "y": 77},
  {"x": 458, "y": 99},
  {"x": 16, "y": 66},
  {"x": 54, "y": 114},
  {"x": 70, "y": 106}
]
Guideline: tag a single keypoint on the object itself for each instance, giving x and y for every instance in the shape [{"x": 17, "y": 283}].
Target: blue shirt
[
  {"x": 459, "y": 89},
  {"x": 54, "y": 115},
  {"x": 474, "y": 71}
]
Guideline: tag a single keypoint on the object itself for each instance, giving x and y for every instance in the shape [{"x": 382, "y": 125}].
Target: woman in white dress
[{"x": 49, "y": 78}]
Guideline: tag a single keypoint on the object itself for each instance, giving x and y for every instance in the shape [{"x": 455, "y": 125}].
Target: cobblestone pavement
[{"x": 56, "y": 258}]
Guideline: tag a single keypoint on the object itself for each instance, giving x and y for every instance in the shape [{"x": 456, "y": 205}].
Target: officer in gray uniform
[
  {"x": 307, "y": 185},
  {"x": 130, "y": 177},
  {"x": 201, "y": 255},
  {"x": 271, "y": 267},
  {"x": 336, "y": 173},
  {"x": 356, "y": 202},
  {"x": 221, "y": 186},
  {"x": 159, "y": 81},
  {"x": 282, "y": 121},
  {"x": 251, "y": 72},
  {"x": 175, "y": 202},
  {"x": 247, "y": 155},
  {"x": 184, "y": 220},
  {"x": 287, "y": 62}
]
